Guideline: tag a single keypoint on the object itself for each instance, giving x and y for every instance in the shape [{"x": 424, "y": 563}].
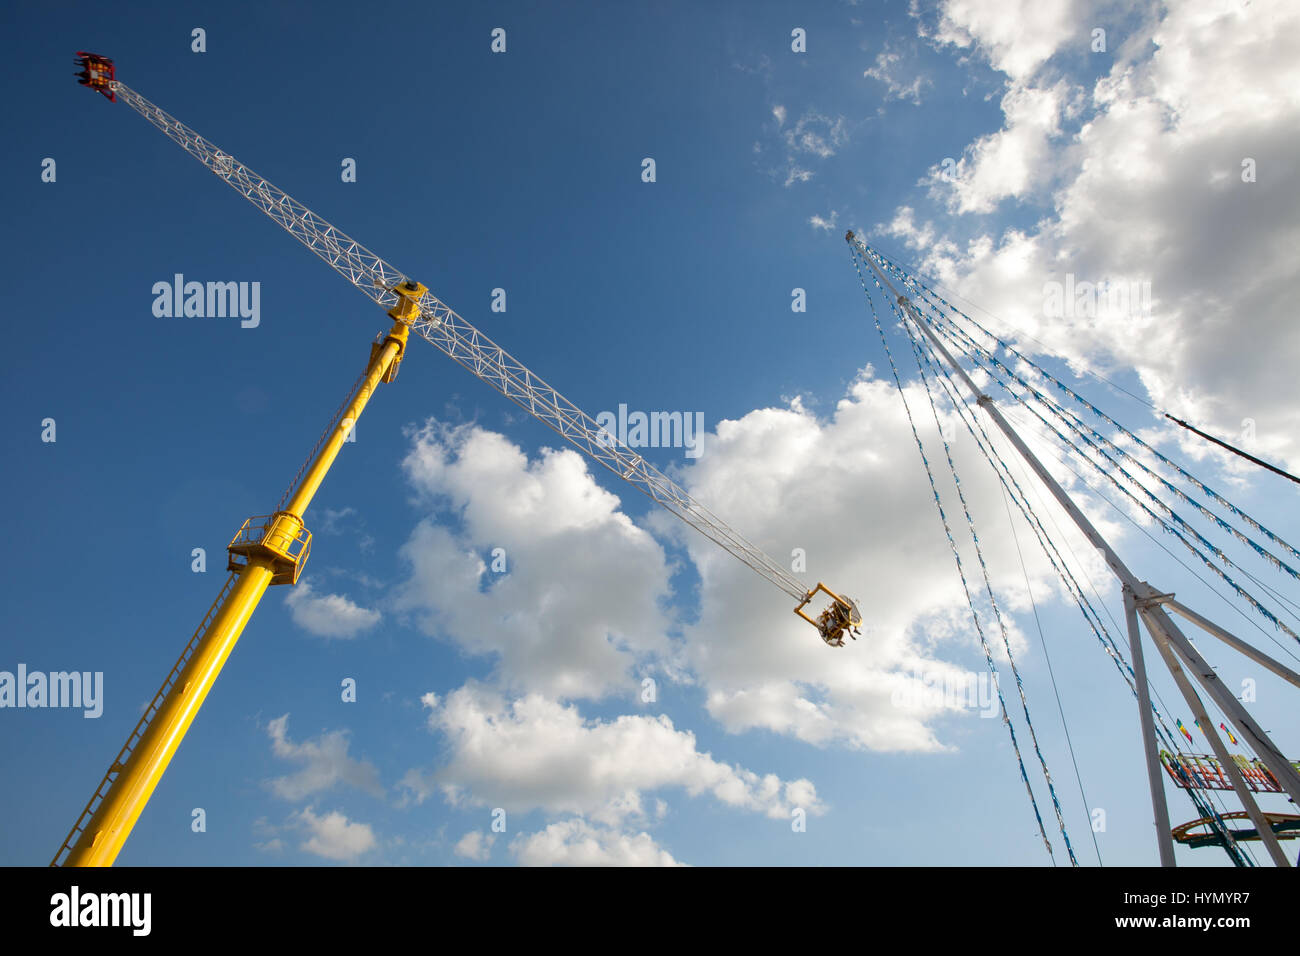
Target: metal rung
[{"x": 137, "y": 734}]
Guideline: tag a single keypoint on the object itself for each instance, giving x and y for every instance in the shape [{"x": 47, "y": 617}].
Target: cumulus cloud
[
  {"x": 580, "y": 601},
  {"x": 1151, "y": 189},
  {"x": 333, "y": 836},
  {"x": 1017, "y": 36},
  {"x": 904, "y": 226},
  {"x": 325, "y": 764},
  {"x": 328, "y": 615},
  {"x": 475, "y": 845},
  {"x": 851, "y": 493},
  {"x": 847, "y": 489},
  {"x": 578, "y": 843},
  {"x": 534, "y": 753},
  {"x": 1010, "y": 162}
]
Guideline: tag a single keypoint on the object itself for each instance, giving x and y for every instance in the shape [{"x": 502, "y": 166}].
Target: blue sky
[{"x": 522, "y": 171}]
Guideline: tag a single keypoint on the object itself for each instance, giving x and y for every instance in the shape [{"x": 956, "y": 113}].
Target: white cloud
[
  {"x": 1150, "y": 190},
  {"x": 580, "y": 602},
  {"x": 813, "y": 137},
  {"x": 904, "y": 226},
  {"x": 1017, "y": 36},
  {"x": 534, "y": 753},
  {"x": 328, "y": 615},
  {"x": 817, "y": 135},
  {"x": 848, "y": 489},
  {"x": 851, "y": 492},
  {"x": 270, "y": 842},
  {"x": 578, "y": 843},
  {"x": 333, "y": 836},
  {"x": 797, "y": 174},
  {"x": 887, "y": 70},
  {"x": 475, "y": 845},
  {"x": 1010, "y": 162},
  {"x": 819, "y": 222},
  {"x": 325, "y": 764}
]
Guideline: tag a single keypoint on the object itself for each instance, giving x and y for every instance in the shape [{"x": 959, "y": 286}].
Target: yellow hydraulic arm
[{"x": 267, "y": 550}]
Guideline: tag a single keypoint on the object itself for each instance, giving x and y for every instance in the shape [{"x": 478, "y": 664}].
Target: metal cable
[
  {"x": 988, "y": 587},
  {"x": 1074, "y": 396},
  {"x": 1240, "y": 591},
  {"x": 1163, "y": 731},
  {"x": 988, "y": 654}
]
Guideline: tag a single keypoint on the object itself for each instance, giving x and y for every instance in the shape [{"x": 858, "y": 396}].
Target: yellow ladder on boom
[{"x": 267, "y": 550}]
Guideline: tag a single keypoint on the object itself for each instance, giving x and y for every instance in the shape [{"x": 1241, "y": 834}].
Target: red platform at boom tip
[{"x": 96, "y": 73}]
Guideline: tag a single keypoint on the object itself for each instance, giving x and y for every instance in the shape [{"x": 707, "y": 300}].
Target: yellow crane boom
[{"x": 267, "y": 550}]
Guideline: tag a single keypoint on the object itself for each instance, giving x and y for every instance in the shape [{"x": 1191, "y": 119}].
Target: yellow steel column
[
  {"x": 107, "y": 830},
  {"x": 311, "y": 481},
  {"x": 122, "y": 806}
]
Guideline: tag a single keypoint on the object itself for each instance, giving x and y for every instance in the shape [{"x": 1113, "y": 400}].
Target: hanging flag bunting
[
  {"x": 1228, "y": 732},
  {"x": 1179, "y": 722}
]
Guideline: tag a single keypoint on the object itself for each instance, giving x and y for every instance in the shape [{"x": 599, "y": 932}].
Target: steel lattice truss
[{"x": 462, "y": 342}]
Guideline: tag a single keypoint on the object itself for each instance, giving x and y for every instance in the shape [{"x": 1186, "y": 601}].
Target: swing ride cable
[
  {"x": 988, "y": 655},
  {"x": 1285, "y": 649},
  {"x": 1165, "y": 734},
  {"x": 896, "y": 261},
  {"x": 1282, "y": 599},
  {"x": 1241, "y": 592},
  {"x": 1051, "y": 672},
  {"x": 988, "y": 587},
  {"x": 1079, "y": 399},
  {"x": 979, "y": 355}
]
